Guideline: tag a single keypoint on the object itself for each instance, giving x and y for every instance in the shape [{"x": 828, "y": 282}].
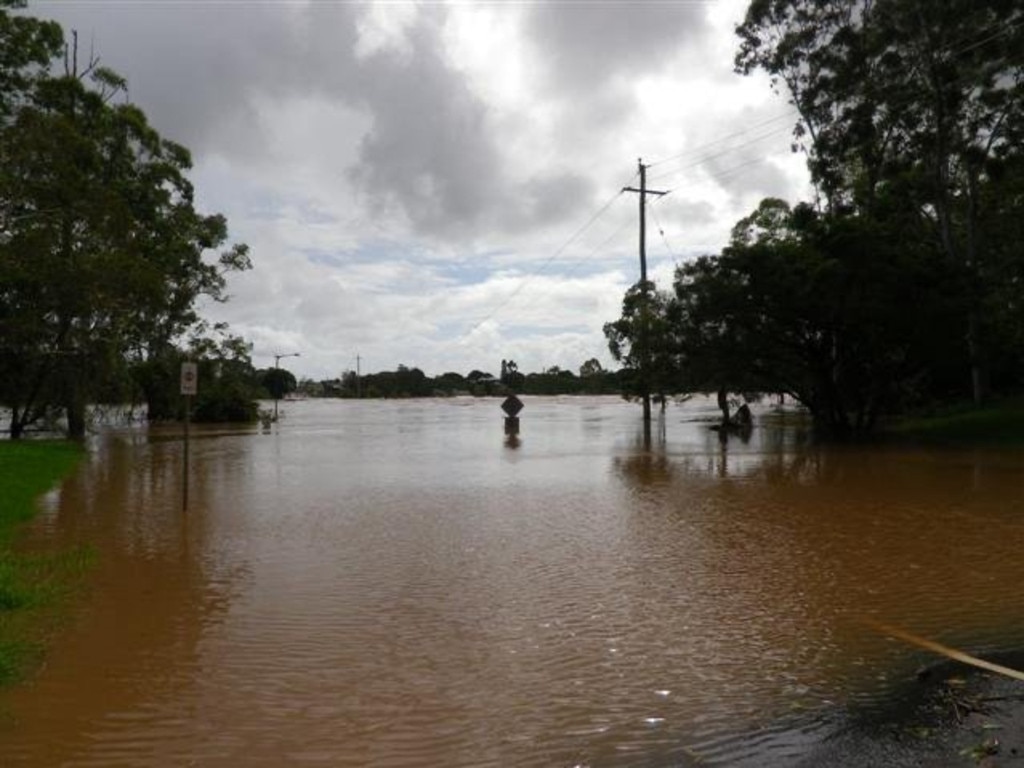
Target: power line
[
  {"x": 1007, "y": 27},
  {"x": 707, "y": 145},
  {"x": 952, "y": 49},
  {"x": 544, "y": 265},
  {"x": 894, "y": 104},
  {"x": 697, "y": 162},
  {"x": 573, "y": 265},
  {"x": 722, "y": 153},
  {"x": 730, "y": 172}
]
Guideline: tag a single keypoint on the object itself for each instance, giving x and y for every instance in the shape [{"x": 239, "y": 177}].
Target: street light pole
[{"x": 277, "y": 361}]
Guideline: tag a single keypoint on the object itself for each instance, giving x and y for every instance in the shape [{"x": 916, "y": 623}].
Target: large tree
[
  {"x": 103, "y": 255},
  {"x": 910, "y": 98},
  {"x": 816, "y": 307}
]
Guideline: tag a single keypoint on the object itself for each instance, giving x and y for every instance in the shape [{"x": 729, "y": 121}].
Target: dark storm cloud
[
  {"x": 693, "y": 214},
  {"x": 748, "y": 174},
  {"x": 554, "y": 197},
  {"x": 196, "y": 68},
  {"x": 206, "y": 71},
  {"x": 584, "y": 45},
  {"x": 434, "y": 152},
  {"x": 202, "y": 71},
  {"x": 431, "y": 150}
]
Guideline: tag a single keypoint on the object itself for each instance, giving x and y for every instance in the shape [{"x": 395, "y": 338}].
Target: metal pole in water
[
  {"x": 184, "y": 479},
  {"x": 189, "y": 386},
  {"x": 277, "y": 361}
]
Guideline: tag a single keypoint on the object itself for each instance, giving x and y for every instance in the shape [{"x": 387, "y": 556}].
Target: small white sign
[{"x": 189, "y": 378}]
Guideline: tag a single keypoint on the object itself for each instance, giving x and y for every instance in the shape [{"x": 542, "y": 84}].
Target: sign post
[
  {"x": 189, "y": 387},
  {"x": 512, "y": 406}
]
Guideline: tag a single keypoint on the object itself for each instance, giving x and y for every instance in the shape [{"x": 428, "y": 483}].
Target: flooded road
[{"x": 394, "y": 584}]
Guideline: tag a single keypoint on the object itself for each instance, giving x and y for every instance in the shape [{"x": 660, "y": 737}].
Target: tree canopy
[
  {"x": 910, "y": 100},
  {"x": 818, "y": 309},
  {"x": 103, "y": 255},
  {"x": 278, "y": 382},
  {"x": 904, "y": 272}
]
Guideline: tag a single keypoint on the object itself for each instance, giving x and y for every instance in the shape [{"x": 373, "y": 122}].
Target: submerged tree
[
  {"x": 228, "y": 385},
  {"x": 815, "y": 307},
  {"x": 643, "y": 340},
  {"x": 278, "y": 382}
]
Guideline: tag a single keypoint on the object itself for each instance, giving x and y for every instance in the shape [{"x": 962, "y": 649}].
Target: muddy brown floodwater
[{"x": 394, "y": 584}]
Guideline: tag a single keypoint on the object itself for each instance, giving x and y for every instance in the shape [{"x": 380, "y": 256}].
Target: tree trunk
[
  {"x": 975, "y": 348},
  {"x": 723, "y": 403},
  {"x": 979, "y": 372},
  {"x": 75, "y": 411}
]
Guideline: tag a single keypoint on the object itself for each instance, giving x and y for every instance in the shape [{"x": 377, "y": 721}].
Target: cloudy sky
[{"x": 438, "y": 184}]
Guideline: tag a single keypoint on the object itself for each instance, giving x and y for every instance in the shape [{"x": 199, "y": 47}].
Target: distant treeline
[{"x": 412, "y": 382}]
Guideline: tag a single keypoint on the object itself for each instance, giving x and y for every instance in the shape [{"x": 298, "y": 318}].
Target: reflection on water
[{"x": 402, "y": 584}]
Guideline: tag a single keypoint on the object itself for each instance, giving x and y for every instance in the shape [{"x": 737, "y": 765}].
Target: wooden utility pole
[{"x": 645, "y": 389}]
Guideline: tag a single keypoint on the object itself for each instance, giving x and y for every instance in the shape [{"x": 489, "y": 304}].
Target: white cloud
[
  {"x": 385, "y": 27},
  {"x": 413, "y": 178}
]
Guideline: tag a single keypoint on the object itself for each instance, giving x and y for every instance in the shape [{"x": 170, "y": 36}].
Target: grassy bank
[
  {"x": 31, "y": 586},
  {"x": 1001, "y": 423}
]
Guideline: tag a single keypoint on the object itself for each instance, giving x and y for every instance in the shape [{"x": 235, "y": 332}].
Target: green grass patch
[
  {"x": 34, "y": 592},
  {"x": 1001, "y": 423},
  {"x": 33, "y": 587},
  {"x": 28, "y": 469}
]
